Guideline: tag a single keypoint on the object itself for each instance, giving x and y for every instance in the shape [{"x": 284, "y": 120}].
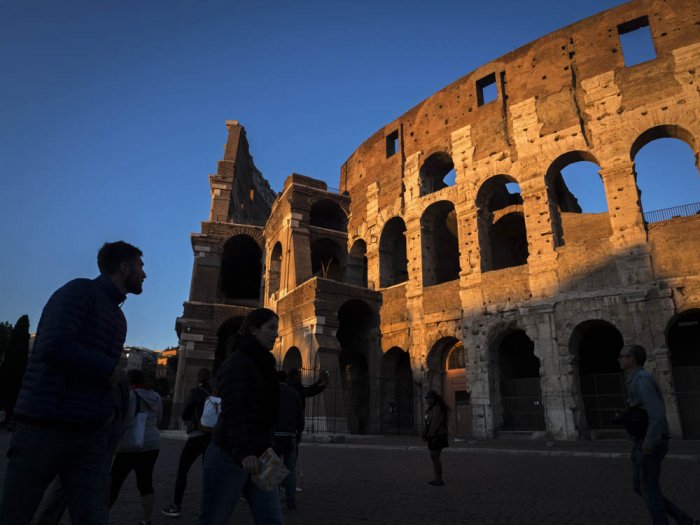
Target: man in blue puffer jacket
[{"x": 66, "y": 403}]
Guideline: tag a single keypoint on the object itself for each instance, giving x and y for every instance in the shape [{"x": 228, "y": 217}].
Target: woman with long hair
[
  {"x": 435, "y": 432},
  {"x": 249, "y": 390}
]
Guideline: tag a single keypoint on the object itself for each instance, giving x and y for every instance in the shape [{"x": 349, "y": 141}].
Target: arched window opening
[
  {"x": 456, "y": 358},
  {"x": 440, "y": 247},
  {"x": 396, "y": 393},
  {"x": 292, "y": 359},
  {"x": 241, "y": 268},
  {"x": 519, "y": 383},
  {"x": 578, "y": 205},
  {"x": 226, "y": 331},
  {"x": 328, "y": 214},
  {"x": 597, "y": 345},
  {"x": 357, "y": 264},
  {"x": 393, "y": 263},
  {"x": 357, "y": 323},
  {"x": 501, "y": 223},
  {"x": 683, "y": 336},
  {"x": 437, "y": 172},
  {"x": 273, "y": 284},
  {"x": 667, "y": 174},
  {"x": 447, "y": 375},
  {"x": 327, "y": 259}
]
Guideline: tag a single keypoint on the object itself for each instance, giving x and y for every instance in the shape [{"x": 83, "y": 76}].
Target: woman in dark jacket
[
  {"x": 435, "y": 432},
  {"x": 249, "y": 391}
]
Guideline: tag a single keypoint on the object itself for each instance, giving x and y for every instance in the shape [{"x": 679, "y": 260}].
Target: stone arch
[
  {"x": 436, "y": 172},
  {"x": 357, "y": 264},
  {"x": 501, "y": 225},
  {"x": 292, "y": 359},
  {"x": 273, "y": 282},
  {"x": 396, "y": 392},
  {"x": 327, "y": 259},
  {"x": 516, "y": 382},
  {"x": 393, "y": 262},
  {"x": 241, "y": 268},
  {"x": 682, "y": 336},
  {"x": 357, "y": 324},
  {"x": 226, "y": 330},
  {"x": 651, "y": 189},
  {"x": 439, "y": 243},
  {"x": 564, "y": 208},
  {"x": 326, "y": 213},
  {"x": 595, "y": 345},
  {"x": 447, "y": 374}
]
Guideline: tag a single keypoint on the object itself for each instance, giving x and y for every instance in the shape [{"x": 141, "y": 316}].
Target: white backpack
[{"x": 210, "y": 414}]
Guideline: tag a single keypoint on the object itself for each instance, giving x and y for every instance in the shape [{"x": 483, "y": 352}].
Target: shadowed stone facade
[{"x": 495, "y": 289}]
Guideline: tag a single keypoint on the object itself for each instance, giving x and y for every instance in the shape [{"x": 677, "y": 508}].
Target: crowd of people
[{"x": 82, "y": 425}]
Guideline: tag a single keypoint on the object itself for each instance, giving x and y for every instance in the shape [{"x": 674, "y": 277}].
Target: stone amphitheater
[{"x": 454, "y": 257}]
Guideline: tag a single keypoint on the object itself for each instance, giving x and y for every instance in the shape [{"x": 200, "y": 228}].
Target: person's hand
[
  {"x": 115, "y": 378},
  {"x": 251, "y": 464}
]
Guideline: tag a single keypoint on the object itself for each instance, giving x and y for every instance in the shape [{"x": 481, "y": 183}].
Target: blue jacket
[
  {"x": 642, "y": 391},
  {"x": 78, "y": 343}
]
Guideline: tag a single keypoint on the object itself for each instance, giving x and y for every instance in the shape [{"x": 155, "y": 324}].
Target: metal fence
[{"x": 686, "y": 210}]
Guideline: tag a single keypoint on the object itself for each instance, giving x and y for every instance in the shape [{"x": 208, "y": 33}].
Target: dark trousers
[
  {"x": 646, "y": 471},
  {"x": 194, "y": 447},
  {"x": 140, "y": 462},
  {"x": 37, "y": 455},
  {"x": 286, "y": 448}
]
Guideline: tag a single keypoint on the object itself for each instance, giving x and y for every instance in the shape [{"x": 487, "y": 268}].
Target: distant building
[{"x": 139, "y": 357}]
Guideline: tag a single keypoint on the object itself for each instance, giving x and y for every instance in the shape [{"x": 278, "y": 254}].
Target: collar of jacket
[{"x": 112, "y": 291}]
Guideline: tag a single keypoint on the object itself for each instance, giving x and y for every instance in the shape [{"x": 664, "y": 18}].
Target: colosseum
[{"x": 490, "y": 285}]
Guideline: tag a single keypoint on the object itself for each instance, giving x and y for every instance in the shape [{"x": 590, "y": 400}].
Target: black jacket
[
  {"x": 249, "y": 391},
  {"x": 290, "y": 420},
  {"x": 192, "y": 412}
]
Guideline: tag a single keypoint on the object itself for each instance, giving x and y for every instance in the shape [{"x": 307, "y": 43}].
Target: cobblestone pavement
[{"x": 385, "y": 481}]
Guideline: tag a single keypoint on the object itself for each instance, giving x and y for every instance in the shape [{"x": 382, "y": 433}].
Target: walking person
[
  {"x": 646, "y": 422},
  {"x": 290, "y": 424},
  {"x": 66, "y": 402},
  {"x": 142, "y": 460},
  {"x": 435, "y": 432},
  {"x": 197, "y": 439},
  {"x": 249, "y": 390}
]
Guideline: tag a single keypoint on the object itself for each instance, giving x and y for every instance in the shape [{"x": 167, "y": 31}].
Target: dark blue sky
[{"x": 112, "y": 116}]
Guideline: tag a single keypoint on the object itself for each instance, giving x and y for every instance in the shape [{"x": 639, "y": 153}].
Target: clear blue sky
[{"x": 112, "y": 116}]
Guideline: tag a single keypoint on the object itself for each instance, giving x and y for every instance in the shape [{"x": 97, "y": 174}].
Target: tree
[
  {"x": 5, "y": 332},
  {"x": 14, "y": 364}
]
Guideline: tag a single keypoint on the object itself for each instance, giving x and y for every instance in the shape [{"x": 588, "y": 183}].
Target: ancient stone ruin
[{"x": 493, "y": 288}]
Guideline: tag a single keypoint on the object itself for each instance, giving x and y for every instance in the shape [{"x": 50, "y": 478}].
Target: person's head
[
  {"x": 203, "y": 376},
  {"x": 293, "y": 376},
  {"x": 432, "y": 397},
  {"x": 122, "y": 263},
  {"x": 631, "y": 357},
  {"x": 136, "y": 377},
  {"x": 262, "y": 325}
]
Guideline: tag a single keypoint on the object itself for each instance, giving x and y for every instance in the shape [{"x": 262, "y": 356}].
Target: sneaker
[
  {"x": 141, "y": 522},
  {"x": 436, "y": 483},
  {"x": 173, "y": 511}
]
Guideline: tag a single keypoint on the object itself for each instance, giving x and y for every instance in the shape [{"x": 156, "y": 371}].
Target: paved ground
[{"x": 384, "y": 480}]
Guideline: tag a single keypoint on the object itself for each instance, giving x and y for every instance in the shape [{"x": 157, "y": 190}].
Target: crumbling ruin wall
[{"x": 565, "y": 97}]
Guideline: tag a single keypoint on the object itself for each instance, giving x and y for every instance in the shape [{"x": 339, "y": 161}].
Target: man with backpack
[{"x": 198, "y": 439}]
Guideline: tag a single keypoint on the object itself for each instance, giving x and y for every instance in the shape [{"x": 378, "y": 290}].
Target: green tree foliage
[{"x": 14, "y": 364}]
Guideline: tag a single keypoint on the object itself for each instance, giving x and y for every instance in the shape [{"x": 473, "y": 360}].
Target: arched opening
[
  {"x": 436, "y": 173},
  {"x": 447, "y": 374},
  {"x": 292, "y": 359},
  {"x": 578, "y": 205},
  {"x": 241, "y": 268},
  {"x": 328, "y": 214},
  {"x": 396, "y": 393},
  {"x": 519, "y": 383},
  {"x": 226, "y": 330},
  {"x": 440, "y": 247},
  {"x": 666, "y": 171},
  {"x": 393, "y": 263},
  {"x": 357, "y": 264},
  {"x": 597, "y": 345},
  {"x": 327, "y": 259},
  {"x": 683, "y": 340},
  {"x": 357, "y": 323},
  {"x": 273, "y": 284},
  {"x": 501, "y": 224}
]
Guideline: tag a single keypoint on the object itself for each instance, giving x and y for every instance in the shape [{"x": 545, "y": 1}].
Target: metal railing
[{"x": 685, "y": 210}]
